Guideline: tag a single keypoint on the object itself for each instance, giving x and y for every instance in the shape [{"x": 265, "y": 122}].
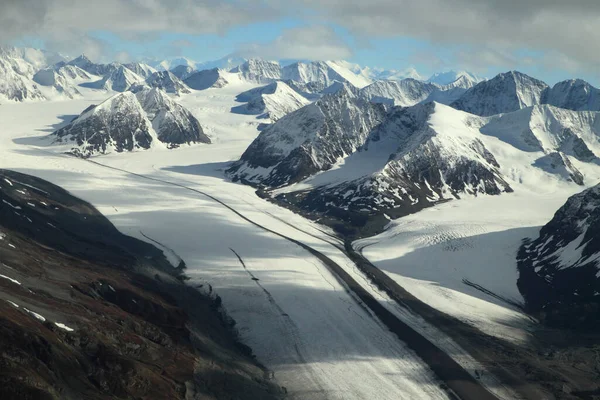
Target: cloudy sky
[{"x": 549, "y": 39}]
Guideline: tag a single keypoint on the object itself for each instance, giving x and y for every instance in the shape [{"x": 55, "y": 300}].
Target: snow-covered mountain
[
  {"x": 574, "y": 94},
  {"x": 549, "y": 129},
  {"x": 141, "y": 69},
  {"x": 16, "y": 73},
  {"x": 210, "y": 78},
  {"x": 377, "y": 74},
  {"x": 131, "y": 121},
  {"x": 272, "y": 101},
  {"x": 446, "y": 78},
  {"x": 168, "y": 82},
  {"x": 308, "y": 140},
  {"x": 559, "y": 274},
  {"x": 406, "y": 92},
  {"x": 506, "y": 92},
  {"x": 87, "y": 65},
  {"x": 119, "y": 80},
  {"x": 64, "y": 80},
  {"x": 416, "y": 157},
  {"x": 451, "y": 92},
  {"x": 169, "y": 64},
  {"x": 183, "y": 71},
  {"x": 324, "y": 73},
  {"x": 258, "y": 71},
  {"x": 317, "y": 72}
]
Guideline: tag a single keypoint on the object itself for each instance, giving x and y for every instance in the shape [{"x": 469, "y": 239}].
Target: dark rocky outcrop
[{"x": 87, "y": 312}]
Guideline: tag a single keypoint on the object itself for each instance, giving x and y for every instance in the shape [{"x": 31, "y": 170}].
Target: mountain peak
[
  {"x": 131, "y": 121},
  {"x": 506, "y": 92}
]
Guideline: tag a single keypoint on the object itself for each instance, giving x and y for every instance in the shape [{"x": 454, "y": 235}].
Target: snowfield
[
  {"x": 301, "y": 322},
  {"x": 289, "y": 308}
]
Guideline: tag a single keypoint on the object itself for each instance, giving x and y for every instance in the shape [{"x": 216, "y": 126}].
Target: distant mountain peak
[
  {"x": 448, "y": 77},
  {"x": 131, "y": 121}
]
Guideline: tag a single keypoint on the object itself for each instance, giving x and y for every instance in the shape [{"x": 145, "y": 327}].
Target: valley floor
[{"x": 300, "y": 321}]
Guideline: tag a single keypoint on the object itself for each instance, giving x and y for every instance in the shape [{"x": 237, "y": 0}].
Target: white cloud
[
  {"x": 316, "y": 42},
  {"x": 566, "y": 27},
  {"x": 63, "y": 22}
]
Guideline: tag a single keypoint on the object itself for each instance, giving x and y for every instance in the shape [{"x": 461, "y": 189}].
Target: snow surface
[
  {"x": 64, "y": 327},
  {"x": 319, "y": 342},
  {"x": 308, "y": 330},
  {"x": 37, "y": 316},
  {"x": 10, "y": 279}
]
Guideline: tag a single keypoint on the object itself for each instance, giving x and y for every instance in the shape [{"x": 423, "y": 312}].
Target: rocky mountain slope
[
  {"x": 272, "y": 101},
  {"x": 448, "y": 77},
  {"x": 210, "y": 78},
  {"x": 575, "y": 94},
  {"x": 64, "y": 79},
  {"x": 141, "y": 69},
  {"x": 183, "y": 71},
  {"x": 504, "y": 93},
  {"x": 167, "y": 82},
  {"x": 87, "y": 312},
  {"x": 119, "y": 80},
  {"x": 406, "y": 92},
  {"x": 93, "y": 68},
  {"x": 410, "y": 161},
  {"x": 16, "y": 73},
  {"x": 559, "y": 275},
  {"x": 131, "y": 121},
  {"x": 414, "y": 157},
  {"x": 308, "y": 140},
  {"x": 258, "y": 71}
]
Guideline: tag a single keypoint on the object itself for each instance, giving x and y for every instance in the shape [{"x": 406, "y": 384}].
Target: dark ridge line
[{"x": 494, "y": 295}]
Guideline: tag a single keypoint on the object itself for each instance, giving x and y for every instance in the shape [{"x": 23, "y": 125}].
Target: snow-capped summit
[
  {"x": 89, "y": 66},
  {"x": 272, "y": 101},
  {"x": 183, "y": 71},
  {"x": 168, "y": 82},
  {"x": 324, "y": 73},
  {"x": 351, "y": 73},
  {"x": 82, "y": 62},
  {"x": 63, "y": 80},
  {"x": 505, "y": 92},
  {"x": 141, "y": 69},
  {"x": 392, "y": 74},
  {"x": 131, "y": 121},
  {"x": 317, "y": 72},
  {"x": 416, "y": 157},
  {"x": 448, "y": 77},
  {"x": 169, "y": 64},
  {"x": 16, "y": 72},
  {"x": 559, "y": 274},
  {"x": 256, "y": 70},
  {"x": 308, "y": 140},
  {"x": 406, "y": 92},
  {"x": 574, "y": 94},
  {"x": 549, "y": 129},
  {"x": 120, "y": 80}
]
